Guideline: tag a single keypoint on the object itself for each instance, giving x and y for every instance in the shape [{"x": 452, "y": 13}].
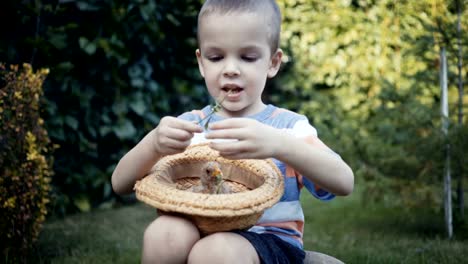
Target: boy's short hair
[{"x": 267, "y": 8}]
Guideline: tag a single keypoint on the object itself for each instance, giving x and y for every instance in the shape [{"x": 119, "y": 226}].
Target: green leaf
[
  {"x": 153, "y": 86},
  {"x": 107, "y": 192},
  {"x": 138, "y": 107},
  {"x": 66, "y": 66},
  {"x": 104, "y": 130},
  {"x": 86, "y": 6},
  {"x": 82, "y": 202},
  {"x": 137, "y": 82},
  {"x": 59, "y": 41},
  {"x": 71, "y": 122},
  {"x": 207, "y": 123},
  {"x": 120, "y": 108},
  {"x": 125, "y": 130},
  {"x": 87, "y": 46},
  {"x": 92, "y": 131},
  {"x": 154, "y": 119},
  {"x": 173, "y": 20}
]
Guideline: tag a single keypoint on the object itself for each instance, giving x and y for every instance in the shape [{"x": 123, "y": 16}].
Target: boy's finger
[
  {"x": 179, "y": 145},
  {"x": 225, "y": 134},
  {"x": 229, "y": 123},
  {"x": 189, "y": 126},
  {"x": 222, "y": 147},
  {"x": 229, "y": 146},
  {"x": 179, "y": 134}
]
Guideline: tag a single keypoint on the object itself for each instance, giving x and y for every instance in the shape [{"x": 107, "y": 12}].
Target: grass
[
  {"x": 104, "y": 236},
  {"x": 344, "y": 228},
  {"x": 356, "y": 233}
]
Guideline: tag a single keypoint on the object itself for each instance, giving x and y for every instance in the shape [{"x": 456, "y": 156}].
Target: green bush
[{"x": 25, "y": 168}]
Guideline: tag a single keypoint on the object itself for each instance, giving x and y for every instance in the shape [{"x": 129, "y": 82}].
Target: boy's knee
[
  {"x": 212, "y": 248},
  {"x": 223, "y": 248},
  {"x": 169, "y": 237},
  {"x": 171, "y": 231}
]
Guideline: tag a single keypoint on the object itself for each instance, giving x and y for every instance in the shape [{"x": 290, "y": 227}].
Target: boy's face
[{"x": 235, "y": 59}]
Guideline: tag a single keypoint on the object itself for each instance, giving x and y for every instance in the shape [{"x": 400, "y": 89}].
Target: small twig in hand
[{"x": 214, "y": 109}]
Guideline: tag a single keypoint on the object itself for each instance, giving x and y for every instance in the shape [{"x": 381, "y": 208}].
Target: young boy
[{"x": 238, "y": 51}]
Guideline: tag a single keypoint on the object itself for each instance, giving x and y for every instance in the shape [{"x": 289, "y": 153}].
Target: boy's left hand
[{"x": 252, "y": 139}]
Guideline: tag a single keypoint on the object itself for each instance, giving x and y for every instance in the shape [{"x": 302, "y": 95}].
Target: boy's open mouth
[{"x": 232, "y": 90}]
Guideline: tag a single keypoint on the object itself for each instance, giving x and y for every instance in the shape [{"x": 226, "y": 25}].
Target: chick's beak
[{"x": 216, "y": 172}]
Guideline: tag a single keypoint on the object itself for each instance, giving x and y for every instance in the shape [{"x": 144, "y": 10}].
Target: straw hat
[{"x": 255, "y": 185}]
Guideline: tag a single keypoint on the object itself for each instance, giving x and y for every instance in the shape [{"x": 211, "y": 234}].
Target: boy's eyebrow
[
  {"x": 210, "y": 48},
  {"x": 251, "y": 48},
  {"x": 242, "y": 49}
]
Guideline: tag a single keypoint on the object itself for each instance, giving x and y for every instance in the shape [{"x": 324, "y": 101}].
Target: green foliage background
[
  {"x": 116, "y": 68},
  {"x": 365, "y": 72}
]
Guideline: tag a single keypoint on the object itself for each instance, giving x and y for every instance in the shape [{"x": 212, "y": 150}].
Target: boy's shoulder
[
  {"x": 286, "y": 116},
  {"x": 293, "y": 122},
  {"x": 286, "y": 113}
]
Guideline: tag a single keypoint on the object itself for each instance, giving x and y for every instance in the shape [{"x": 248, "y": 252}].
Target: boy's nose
[{"x": 231, "y": 69}]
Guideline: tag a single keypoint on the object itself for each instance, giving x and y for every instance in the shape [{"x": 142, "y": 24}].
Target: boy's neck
[{"x": 242, "y": 113}]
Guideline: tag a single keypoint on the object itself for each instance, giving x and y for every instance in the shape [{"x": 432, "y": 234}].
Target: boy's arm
[
  {"x": 171, "y": 136},
  {"x": 134, "y": 165},
  {"x": 322, "y": 167}
]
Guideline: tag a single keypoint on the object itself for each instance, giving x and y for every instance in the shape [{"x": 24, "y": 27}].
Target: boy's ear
[
  {"x": 275, "y": 63},
  {"x": 200, "y": 64}
]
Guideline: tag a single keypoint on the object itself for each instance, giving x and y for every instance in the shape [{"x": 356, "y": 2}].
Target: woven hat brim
[{"x": 168, "y": 198}]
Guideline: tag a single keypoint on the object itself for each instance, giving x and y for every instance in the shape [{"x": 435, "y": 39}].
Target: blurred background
[{"x": 370, "y": 75}]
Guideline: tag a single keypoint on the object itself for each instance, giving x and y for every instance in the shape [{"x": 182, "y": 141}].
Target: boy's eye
[
  {"x": 215, "y": 58},
  {"x": 250, "y": 58}
]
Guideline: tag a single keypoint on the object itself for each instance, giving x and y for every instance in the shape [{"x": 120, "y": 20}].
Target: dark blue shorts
[{"x": 272, "y": 249}]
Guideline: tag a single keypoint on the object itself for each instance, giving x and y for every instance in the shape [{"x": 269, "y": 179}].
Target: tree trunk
[
  {"x": 460, "y": 201},
  {"x": 445, "y": 124}
]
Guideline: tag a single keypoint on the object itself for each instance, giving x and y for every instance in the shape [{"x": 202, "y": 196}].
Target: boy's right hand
[{"x": 173, "y": 135}]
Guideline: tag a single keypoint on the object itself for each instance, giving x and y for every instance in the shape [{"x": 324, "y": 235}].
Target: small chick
[{"x": 211, "y": 180}]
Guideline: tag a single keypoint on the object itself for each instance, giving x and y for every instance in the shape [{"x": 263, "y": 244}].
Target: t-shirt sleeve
[
  {"x": 195, "y": 115},
  {"x": 305, "y": 131}
]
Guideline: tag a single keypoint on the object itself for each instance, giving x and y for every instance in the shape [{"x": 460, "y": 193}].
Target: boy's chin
[
  {"x": 237, "y": 110},
  {"x": 234, "y": 106}
]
